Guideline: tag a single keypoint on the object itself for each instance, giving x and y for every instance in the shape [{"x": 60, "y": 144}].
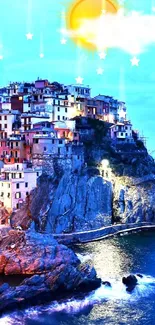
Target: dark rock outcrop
[
  {"x": 57, "y": 270},
  {"x": 63, "y": 281},
  {"x": 139, "y": 275},
  {"x": 106, "y": 283},
  {"x": 130, "y": 282}
]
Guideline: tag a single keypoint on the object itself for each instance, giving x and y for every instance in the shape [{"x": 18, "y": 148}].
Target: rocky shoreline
[{"x": 56, "y": 271}]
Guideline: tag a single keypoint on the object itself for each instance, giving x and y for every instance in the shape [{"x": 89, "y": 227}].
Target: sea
[{"x": 113, "y": 258}]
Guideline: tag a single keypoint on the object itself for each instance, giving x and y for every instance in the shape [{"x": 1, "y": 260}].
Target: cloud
[{"x": 132, "y": 33}]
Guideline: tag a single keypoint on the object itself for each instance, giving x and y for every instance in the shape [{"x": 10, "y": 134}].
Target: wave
[{"x": 145, "y": 287}]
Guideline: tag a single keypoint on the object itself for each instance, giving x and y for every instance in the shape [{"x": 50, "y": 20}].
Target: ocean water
[{"x": 113, "y": 258}]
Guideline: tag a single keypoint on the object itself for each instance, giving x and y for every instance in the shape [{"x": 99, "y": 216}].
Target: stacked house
[{"x": 37, "y": 121}]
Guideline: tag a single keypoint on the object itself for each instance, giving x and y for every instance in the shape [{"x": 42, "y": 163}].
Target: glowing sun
[{"x": 82, "y": 12}]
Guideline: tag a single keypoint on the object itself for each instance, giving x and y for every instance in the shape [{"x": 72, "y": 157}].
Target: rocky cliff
[
  {"x": 84, "y": 200},
  {"x": 81, "y": 202}
]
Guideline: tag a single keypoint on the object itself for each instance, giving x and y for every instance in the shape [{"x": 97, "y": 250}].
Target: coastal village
[{"x": 44, "y": 121}]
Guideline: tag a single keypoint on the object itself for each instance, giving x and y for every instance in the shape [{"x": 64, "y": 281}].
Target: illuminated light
[
  {"x": 100, "y": 71},
  {"x": 41, "y": 55},
  {"x": 79, "y": 80},
  {"x": 20, "y": 98},
  {"x": 29, "y": 36},
  {"x": 134, "y": 61},
  {"x": 1, "y": 57},
  {"x": 105, "y": 163},
  {"x": 63, "y": 41}
]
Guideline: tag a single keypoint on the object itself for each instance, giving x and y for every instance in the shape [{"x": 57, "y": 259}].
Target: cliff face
[
  {"x": 83, "y": 200},
  {"x": 134, "y": 200},
  {"x": 80, "y": 203}
]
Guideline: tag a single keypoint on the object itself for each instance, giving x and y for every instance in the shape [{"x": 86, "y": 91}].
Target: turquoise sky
[{"x": 63, "y": 63}]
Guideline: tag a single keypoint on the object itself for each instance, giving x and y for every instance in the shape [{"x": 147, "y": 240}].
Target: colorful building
[{"x": 16, "y": 183}]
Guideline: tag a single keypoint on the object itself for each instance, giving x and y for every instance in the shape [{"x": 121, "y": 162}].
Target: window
[
  {"x": 2, "y": 194},
  {"x": 16, "y": 144},
  {"x": 58, "y": 117},
  {"x": 63, "y": 118},
  {"x": 60, "y": 141},
  {"x": 8, "y": 185},
  {"x": 35, "y": 140},
  {"x": 5, "y": 125},
  {"x": 26, "y": 184},
  {"x": 0, "y": 117},
  {"x": 20, "y": 175},
  {"x": 5, "y": 118},
  {"x": 17, "y": 185},
  {"x": 18, "y": 195},
  {"x": 37, "y": 174},
  {"x": 17, "y": 206},
  {"x": 126, "y": 134},
  {"x": 53, "y": 141},
  {"x": 58, "y": 109},
  {"x": 27, "y": 193},
  {"x": 121, "y": 133},
  {"x": 8, "y": 195},
  {"x": 65, "y": 109},
  {"x": 45, "y": 148}
]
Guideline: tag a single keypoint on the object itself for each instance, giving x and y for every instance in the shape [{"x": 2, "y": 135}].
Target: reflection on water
[{"x": 113, "y": 258}]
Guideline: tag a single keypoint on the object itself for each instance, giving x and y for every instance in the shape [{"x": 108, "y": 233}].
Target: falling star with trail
[{"x": 29, "y": 34}]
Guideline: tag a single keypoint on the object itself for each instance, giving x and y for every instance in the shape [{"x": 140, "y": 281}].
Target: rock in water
[
  {"x": 139, "y": 275},
  {"x": 130, "y": 282},
  {"x": 106, "y": 283}
]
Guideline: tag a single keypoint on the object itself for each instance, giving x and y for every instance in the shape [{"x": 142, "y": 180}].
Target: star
[
  {"x": 63, "y": 41},
  {"x": 100, "y": 71},
  {"x": 102, "y": 55},
  {"x": 79, "y": 80},
  {"x": 41, "y": 55},
  {"x": 1, "y": 57},
  {"x": 29, "y": 36},
  {"x": 134, "y": 61}
]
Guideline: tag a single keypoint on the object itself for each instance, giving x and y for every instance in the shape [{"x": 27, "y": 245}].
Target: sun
[{"x": 80, "y": 15}]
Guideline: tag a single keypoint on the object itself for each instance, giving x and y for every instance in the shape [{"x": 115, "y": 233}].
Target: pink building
[{"x": 16, "y": 183}]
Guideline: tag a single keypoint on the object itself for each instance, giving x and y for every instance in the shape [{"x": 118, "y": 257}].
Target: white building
[
  {"x": 28, "y": 120},
  {"x": 7, "y": 118},
  {"x": 16, "y": 182},
  {"x": 122, "y": 132},
  {"x": 79, "y": 90}
]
